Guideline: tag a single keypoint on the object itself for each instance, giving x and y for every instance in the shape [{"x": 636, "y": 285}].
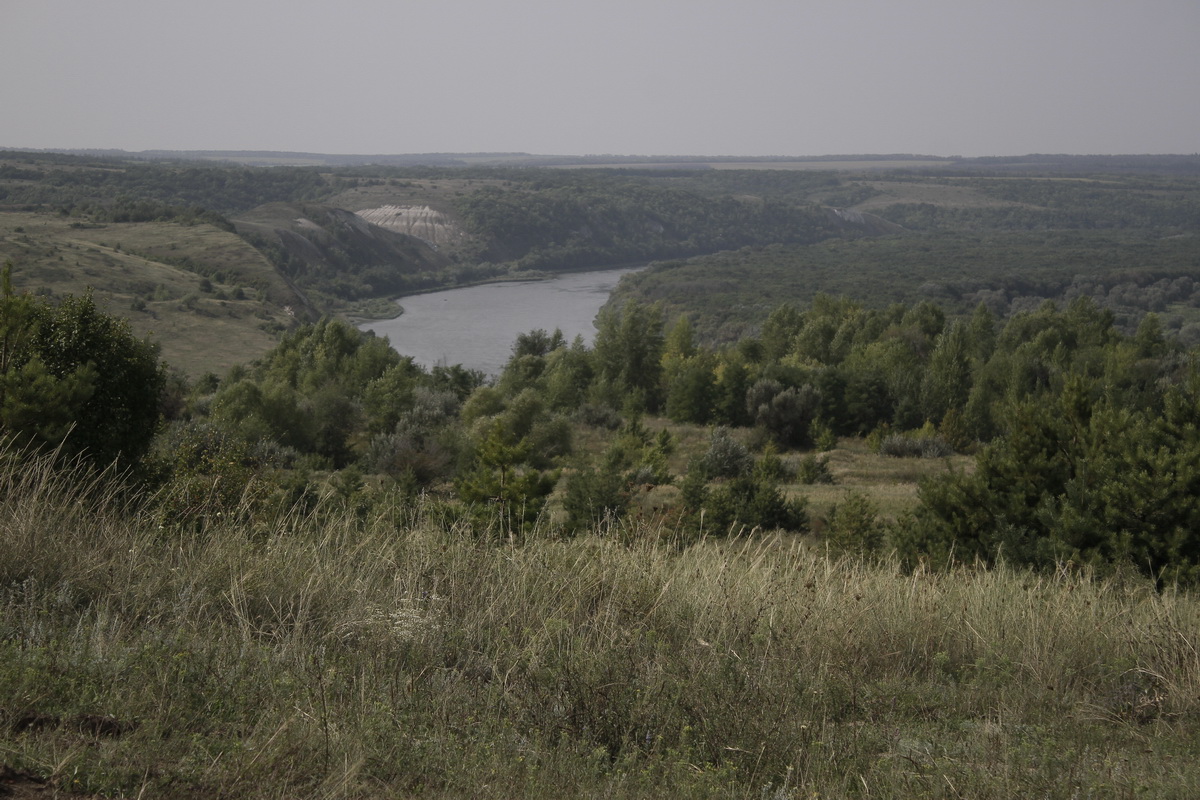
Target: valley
[{"x": 879, "y": 479}]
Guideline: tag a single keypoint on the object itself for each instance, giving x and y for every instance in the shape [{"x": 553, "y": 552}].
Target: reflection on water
[{"x": 477, "y": 325}]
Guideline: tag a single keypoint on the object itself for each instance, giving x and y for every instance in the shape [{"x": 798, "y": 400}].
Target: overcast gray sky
[{"x": 695, "y": 77}]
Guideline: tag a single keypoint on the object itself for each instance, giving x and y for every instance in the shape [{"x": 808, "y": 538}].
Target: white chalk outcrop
[{"x": 422, "y": 222}]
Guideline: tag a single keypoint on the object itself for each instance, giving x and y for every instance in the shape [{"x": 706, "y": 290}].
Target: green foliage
[
  {"x": 947, "y": 380},
  {"x": 922, "y": 443},
  {"x": 854, "y": 527},
  {"x": 568, "y": 374},
  {"x": 770, "y": 466},
  {"x": 823, "y": 436},
  {"x": 503, "y": 490},
  {"x": 210, "y": 478},
  {"x": 814, "y": 469},
  {"x": 726, "y": 457},
  {"x": 324, "y": 389},
  {"x": 594, "y": 498},
  {"x": 754, "y": 502},
  {"x": 644, "y": 457},
  {"x": 1076, "y": 479},
  {"x": 733, "y": 381},
  {"x": 424, "y": 444},
  {"x": 556, "y": 220},
  {"x": 732, "y": 294},
  {"x": 751, "y": 501},
  {"x": 35, "y": 405},
  {"x": 73, "y": 376},
  {"x": 627, "y": 356},
  {"x": 692, "y": 392},
  {"x": 786, "y": 413}
]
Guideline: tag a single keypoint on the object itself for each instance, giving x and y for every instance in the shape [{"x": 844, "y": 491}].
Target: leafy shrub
[
  {"x": 1075, "y": 479},
  {"x": 398, "y": 455},
  {"x": 211, "y": 475},
  {"x": 854, "y": 526},
  {"x": 75, "y": 377},
  {"x": 748, "y": 501},
  {"x": 726, "y": 456},
  {"x": 772, "y": 467},
  {"x": 814, "y": 470},
  {"x": 787, "y": 413},
  {"x": 752, "y": 502},
  {"x": 824, "y": 438},
  {"x": 598, "y": 415},
  {"x": 594, "y": 496}
]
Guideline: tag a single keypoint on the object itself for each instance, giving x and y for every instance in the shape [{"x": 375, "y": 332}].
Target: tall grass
[{"x": 404, "y": 655}]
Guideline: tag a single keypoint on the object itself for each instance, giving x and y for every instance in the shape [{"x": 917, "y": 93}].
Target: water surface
[{"x": 476, "y": 326}]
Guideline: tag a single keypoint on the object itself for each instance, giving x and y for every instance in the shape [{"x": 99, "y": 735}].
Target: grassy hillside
[
  {"x": 339, "y": 574},
  {"x": 337, "y": 256},
  {"x": 207, "y": 297},
  {"x": 216, "y": 258},
  {"x": 344, "y": 235},
  {"x": 399, "y": 654}
]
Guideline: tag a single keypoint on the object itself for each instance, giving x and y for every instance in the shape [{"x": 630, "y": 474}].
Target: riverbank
[
  {"x": 476, "y": 325},
  {"x": 393, "y": 309}
]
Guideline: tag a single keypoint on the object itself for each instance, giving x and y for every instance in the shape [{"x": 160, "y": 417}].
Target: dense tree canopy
[{"x": 73, "y": 376}]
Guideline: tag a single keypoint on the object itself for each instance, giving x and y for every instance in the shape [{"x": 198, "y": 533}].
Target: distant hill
[
  {"x": 1182, "y": 164},
  {"x": 338, "y": 252},
  {"x": 196, "y": 241}
]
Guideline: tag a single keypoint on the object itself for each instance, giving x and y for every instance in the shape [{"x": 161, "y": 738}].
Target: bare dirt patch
[{"x": 422, "y": 222}]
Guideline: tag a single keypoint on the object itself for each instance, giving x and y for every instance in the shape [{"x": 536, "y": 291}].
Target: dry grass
[
  {"x": 400, "y": 654},
  {"x": 891, "y": 483}
]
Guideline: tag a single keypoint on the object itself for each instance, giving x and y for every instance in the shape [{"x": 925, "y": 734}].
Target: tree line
[{"x": 1084, "y": 436}]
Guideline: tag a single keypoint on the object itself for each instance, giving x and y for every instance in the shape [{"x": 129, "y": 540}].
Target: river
[{"x": 476, "y": 325}]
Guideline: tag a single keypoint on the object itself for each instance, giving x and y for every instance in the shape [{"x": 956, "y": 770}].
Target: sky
[{"x": 622, "y": 77}]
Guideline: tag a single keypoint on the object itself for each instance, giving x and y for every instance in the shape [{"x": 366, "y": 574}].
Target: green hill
[
  {"x": 205, "y": 295},
  {"x": 243, "y": 251},
  {"x": 1007, "y": 240},
  {"x": 336, "y": 253}
]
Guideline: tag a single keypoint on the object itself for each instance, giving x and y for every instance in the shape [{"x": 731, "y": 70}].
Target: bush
[
  {"x": 787, "y": 413},
  {"x": 824, "y": 439},
  {"x": 597, "y": 415},
  {"x": 814, "y": 470},
  {"x": 212, "y": 476},
  {"x": 854, "y": 526},
  {"x": 594, "y": 496},
  {"x": 76, "y": 377},
  {"x": 1075, "y": 479},
  {"x": 754, "y": 503},
  {"x": 772, "y": 467},
  {"x": 726, "y": 457}
]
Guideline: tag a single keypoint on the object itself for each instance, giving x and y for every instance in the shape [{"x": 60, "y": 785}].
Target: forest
[{"x": 931, "y": 538}]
